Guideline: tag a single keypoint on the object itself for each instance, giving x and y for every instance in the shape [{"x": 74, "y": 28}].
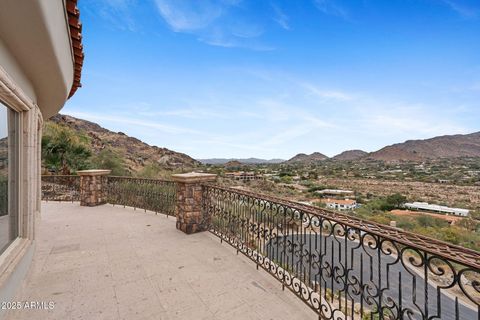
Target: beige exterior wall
[
  {"x": 36, "y": 75},
  {"x": 13, "y": 69},
  {"x": 36, "y": 43}
]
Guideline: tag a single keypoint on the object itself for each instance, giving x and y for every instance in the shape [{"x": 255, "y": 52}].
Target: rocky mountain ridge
[
  {"x": 442, "y": 147},
  {"x": 448, "y": 146},
  {"x": 136, "y": 153},
  {"x": 350, "y": 155},
  {"x": 307, "y": 158}
]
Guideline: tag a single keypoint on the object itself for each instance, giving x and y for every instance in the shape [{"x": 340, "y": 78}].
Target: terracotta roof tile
[{"x": 76, "y": 36}]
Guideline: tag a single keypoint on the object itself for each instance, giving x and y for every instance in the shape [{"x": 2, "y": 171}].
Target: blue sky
[{"x": 241, "y": 78}]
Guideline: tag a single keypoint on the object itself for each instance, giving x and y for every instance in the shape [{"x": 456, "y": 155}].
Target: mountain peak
[
  {"x": 447, "y": 146},
  {"x": 350, "y": 155},
  {"x": 304, "y": 158}
]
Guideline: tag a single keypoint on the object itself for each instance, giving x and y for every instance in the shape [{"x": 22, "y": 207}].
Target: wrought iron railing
[
  {"x": 148, "y": 194},
  {"x": 347, "y": 268},
  {"x": 61, "y": 188}
]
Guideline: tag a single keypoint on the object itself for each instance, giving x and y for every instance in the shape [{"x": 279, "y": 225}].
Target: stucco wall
[
  {"x": 37, "y": 34},
  {"x": 36, "y": 75},
  {"x": 10, "y": 65}
]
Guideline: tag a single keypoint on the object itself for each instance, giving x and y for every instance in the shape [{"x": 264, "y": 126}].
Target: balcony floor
[{"x": 116, "y": 263}]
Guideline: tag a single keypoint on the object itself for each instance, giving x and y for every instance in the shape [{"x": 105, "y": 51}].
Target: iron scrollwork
[
  {"x": 347, "y": 268},
  {"x": 148, "y": 194}
]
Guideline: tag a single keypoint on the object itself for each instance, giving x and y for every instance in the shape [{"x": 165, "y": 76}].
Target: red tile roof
[{"x": 76, "y": 36}]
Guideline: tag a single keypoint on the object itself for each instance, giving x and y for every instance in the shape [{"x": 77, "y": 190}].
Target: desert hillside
[
  {"x": 136, "y": 154},
  {"x": 307, "y": 158},
  {"x": 451, "y": 146},
  {"x": 350, "y": 155}
]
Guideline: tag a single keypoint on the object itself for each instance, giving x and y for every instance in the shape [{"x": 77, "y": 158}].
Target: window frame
[{"x": 13, "y": 195}]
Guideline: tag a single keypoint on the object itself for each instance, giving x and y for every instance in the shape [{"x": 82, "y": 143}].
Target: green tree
[
  {"x": 63, "y": 149},
  {"x": 109, "y": 159},
  {"x": 393, "y": 201}
]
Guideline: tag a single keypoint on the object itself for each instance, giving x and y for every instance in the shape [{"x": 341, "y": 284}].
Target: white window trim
[{"x": 12, "y": 95}]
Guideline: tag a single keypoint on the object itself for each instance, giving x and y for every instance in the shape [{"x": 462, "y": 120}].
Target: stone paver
[{"x": 117, "y": 263}]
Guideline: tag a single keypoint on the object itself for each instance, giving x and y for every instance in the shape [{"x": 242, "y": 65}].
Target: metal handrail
[
  {"x": 148, "y": 194},
  {"x": 342, "y": 266}
]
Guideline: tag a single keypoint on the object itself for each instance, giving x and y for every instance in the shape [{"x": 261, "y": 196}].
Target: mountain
[
  {"x": 218, "y": 161},
  {"x": 304, "y": 158},
  {"x": 136, "y": 154},
  {"x": 233, "y": 164},
  {"x": 350, "y": 155},
  {"x": 450, "y": 146}
]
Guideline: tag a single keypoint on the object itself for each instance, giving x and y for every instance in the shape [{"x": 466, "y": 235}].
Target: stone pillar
[
  {"x": 93, "y": 184},
  {"x": 188, "y": 207}
]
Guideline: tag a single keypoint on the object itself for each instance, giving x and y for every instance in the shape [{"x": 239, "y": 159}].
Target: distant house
[
  {"x": 242, "y": 176},
  {"x": 341, "y": 204},
  {"x": 424, "y": 206},
  {"x": 335, "y": 193}
]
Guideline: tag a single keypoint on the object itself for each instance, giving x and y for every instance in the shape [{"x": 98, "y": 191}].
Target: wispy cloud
[
  {"x": 332, "y": 7},
  {"x": 214, "y": 22},
  {"x": 132, "y": 121},
  {"x": 462, "y": 9},
  {"x": 280, "y": 17},
  {"x": 187, "y": 16},
  {"x": 117, "y": 13},
  {"x": 403, "y": 120},
  {"x": 190, "y": 113},
  {"x": 413, "y": 126},
  {"x": 326, "y": 94}
]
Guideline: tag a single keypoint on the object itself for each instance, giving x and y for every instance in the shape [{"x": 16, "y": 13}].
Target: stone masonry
[
  {"x": 190, "y": 218},
  {"x": 93, "y": 187}
]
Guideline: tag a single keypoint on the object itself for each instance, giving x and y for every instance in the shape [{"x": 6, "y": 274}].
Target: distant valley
[{"x": 138, "y": 155}]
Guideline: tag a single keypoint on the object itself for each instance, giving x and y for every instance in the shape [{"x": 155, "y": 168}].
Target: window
[{"x": 8, "y": 176}]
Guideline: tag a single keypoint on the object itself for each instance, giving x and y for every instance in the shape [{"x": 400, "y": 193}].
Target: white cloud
[
  {"x": 185, "y": 16},
  {"x": 461, "y": 9},
  {"x": 117, "y": 13},
  {"x": 414, "y": 126},
  {"x": 190, "y": 113},
  {"x": 214, "y": 22},
  {"x": 136, "y": 122},
  {"x": 401, "y": 121},
  {"x": 331, "y": 7},
  {"x": 326, "y": 94},
  {"x": 280, "y": 17}
]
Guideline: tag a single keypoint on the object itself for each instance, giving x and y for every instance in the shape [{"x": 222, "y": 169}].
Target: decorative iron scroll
[
  {"x": 344, "y": 267},
  {"x": 148, "y": 194},
  {"x": 61, "y": 188}
]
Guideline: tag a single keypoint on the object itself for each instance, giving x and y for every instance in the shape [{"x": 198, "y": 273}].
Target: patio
[{"x": 119, "y": 263}]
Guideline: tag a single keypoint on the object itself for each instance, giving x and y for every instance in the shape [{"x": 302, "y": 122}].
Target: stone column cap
[
  {"x": 193, "y": 177},
  {"x": 94, "y": 172}
]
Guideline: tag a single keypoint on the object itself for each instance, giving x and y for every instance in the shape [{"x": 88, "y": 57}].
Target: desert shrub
[
  {"x": 64, "y": 150},
  {"x": 109, "y": 159}
]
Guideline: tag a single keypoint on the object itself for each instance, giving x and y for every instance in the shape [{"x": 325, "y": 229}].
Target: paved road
[{"x": 384, "y": 273}]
